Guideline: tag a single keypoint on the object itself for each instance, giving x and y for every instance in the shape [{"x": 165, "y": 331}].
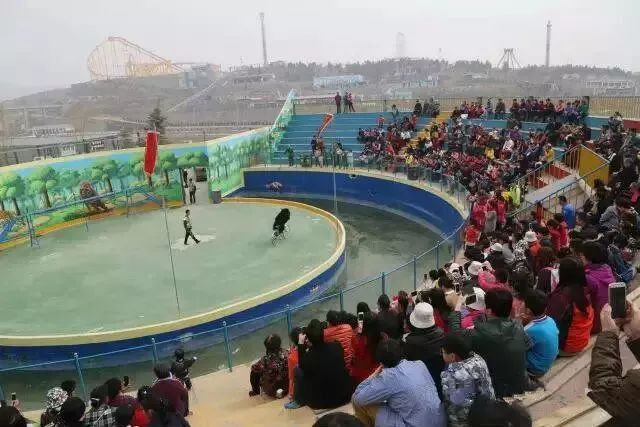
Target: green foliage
[
  {"x": 168, "y": 163},
  {"x": 156, "y": 120},
  {"x": 42, "y": 180},
  {"x": 193, "y": 159},
  {"x": 104, "y": 170},
  {"x": 69, "y": 179},
  {"x": 137, "y": 166},
  {"x": 12, "y": 187}
]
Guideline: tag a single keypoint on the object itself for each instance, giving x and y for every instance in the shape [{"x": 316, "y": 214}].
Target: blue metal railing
[{"x": 411, "y": 267}]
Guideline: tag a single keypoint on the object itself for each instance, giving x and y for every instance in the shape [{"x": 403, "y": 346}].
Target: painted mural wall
[{"x": 34, "y": 187}]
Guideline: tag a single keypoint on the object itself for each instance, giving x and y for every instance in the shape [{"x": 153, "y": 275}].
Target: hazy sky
[{"x": 46, "y": 42}]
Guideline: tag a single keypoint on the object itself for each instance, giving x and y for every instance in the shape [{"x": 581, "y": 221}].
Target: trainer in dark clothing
[{"x": 500, "y": 341}]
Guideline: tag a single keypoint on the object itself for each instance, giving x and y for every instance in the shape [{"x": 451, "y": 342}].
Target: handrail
[
  {"x": 548, "y": 197},
  {"x": 525, "y": 177},
  {"x": 354, "y": 285}
]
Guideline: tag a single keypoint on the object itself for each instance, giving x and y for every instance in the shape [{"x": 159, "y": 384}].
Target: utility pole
[
  {"x": 264, "y": 41},
  {"x": 546, "y": 61}
]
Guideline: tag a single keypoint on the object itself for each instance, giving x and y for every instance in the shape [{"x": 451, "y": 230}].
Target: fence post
[
  {"x": 289, "y": 326},
  {"x": 438, "y": 256},
  {"x": 341, "y": 300},
  {"x": 415, "y": 273},
  {"x": 81, "y": 377},
  {"x": 384, "y": 285},
  {"x": 227, "y": 350},
  {"x": 154, "y": 350}
]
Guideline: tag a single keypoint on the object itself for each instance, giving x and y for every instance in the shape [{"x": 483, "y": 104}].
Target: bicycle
[{"x": 276, "y": 237}]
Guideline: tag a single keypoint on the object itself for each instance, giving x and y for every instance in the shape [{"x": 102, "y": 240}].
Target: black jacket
[
  {"x": 326, "y": 381},
  {"x": 502, "y": 343},
  {"x": 426, "y": 345},
  {"x": 391, "y": 324},
  {"x": 496, "y": 259}
]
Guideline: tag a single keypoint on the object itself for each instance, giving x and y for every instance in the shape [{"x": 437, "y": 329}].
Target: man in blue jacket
[{"x": 400, "y": 393}]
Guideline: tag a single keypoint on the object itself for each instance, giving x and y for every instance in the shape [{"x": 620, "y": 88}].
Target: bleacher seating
[{"x": 344, "y": 128}]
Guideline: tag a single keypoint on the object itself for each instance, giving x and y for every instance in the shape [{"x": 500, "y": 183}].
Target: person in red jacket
[
  {"x": 564, "y": 230},
  {"x": 170, "y": 389},
  {"x": 341, "y": 333},
  {"x": 364, "y": 347}
]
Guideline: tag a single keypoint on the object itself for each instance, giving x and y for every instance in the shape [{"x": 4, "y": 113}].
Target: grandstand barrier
[{"x": 603, "y": 106}]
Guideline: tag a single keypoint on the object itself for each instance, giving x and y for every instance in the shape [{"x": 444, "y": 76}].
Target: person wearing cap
[
  {"x": 424, "y": 341},
  {"x": 465, "y": 371},
  {"x": 474, "y": 268},
  {"x": 532, "y": 241},
  {"x": 499, "y": 340},
  {"x": 53, "y": 403},
  {"x": 495, "y": 257}
]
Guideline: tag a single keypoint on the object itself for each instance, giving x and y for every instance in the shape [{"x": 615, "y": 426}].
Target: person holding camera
[
  {"x": 321, "y": 379},
  {"x": 616, "y": 393},
  {"x": 180, "y": 367}
]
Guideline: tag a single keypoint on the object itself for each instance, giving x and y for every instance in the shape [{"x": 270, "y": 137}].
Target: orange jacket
[{"x": 343, "y": 334}]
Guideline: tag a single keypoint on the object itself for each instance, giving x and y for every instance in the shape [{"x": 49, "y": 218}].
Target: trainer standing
[
  {"x": 186, "y": 221},
  {"x": 192, "y": 191}
]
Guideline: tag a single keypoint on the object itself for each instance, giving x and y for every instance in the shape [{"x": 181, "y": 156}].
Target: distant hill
[{"x": 11, "y": 91}]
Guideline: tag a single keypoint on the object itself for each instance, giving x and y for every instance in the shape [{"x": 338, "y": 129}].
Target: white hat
[
  {"x": 454, "y": 267},
  {"x": 422, "y": 316},
  {"x": 496, "y": 247},
  {"x": 479, "y": 304},
  {"x": 474, "y": 268},
  {"x": 530, "y": 236}
]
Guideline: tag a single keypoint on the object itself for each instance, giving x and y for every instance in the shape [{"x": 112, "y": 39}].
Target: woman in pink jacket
[{"x": 599, "y": 276}]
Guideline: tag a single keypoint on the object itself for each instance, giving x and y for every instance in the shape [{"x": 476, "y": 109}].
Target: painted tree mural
[
  {"x": 104, "y": 170},
  {"x": 123, "y": 174},
  {"x": 14, "y": 188},
  {"x": 167, "y": 162},
  {"x": 69, "y": 181},
  {"x": 43, "y": 180},
  {"x": 137, "y": 166}
]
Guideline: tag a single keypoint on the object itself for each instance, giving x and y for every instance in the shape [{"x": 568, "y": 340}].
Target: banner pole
[{"x": 173, "y": 269}]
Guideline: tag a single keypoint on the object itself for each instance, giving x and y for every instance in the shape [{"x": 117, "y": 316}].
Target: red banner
[
  {"x": 325, "y": 123},
  {"x": 151, "y": 152}
]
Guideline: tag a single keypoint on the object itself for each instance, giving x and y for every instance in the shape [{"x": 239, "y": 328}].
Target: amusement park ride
[{"x": 117, "y": 57}]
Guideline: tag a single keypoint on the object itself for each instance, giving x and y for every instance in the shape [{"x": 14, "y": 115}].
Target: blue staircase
[
  {"x": 6, "y": 228},
  {"x": 343, "y": 128}
]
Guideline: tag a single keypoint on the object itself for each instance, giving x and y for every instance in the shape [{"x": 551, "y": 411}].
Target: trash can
[{"x": 216, "y": 196}]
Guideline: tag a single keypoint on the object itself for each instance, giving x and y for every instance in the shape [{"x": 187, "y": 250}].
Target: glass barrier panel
[
  {"x": 246, "y": 340},
  {"x": 30, "y": 384},
  {"x": 136, "y": 363},
  {"x": 367, "y": 291},
  {"x": 207, "y": 346},
  {"x": 400, "y": 280},
  {"x": 316, "y": 310},
  {"x": 424, "y": 264}
]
